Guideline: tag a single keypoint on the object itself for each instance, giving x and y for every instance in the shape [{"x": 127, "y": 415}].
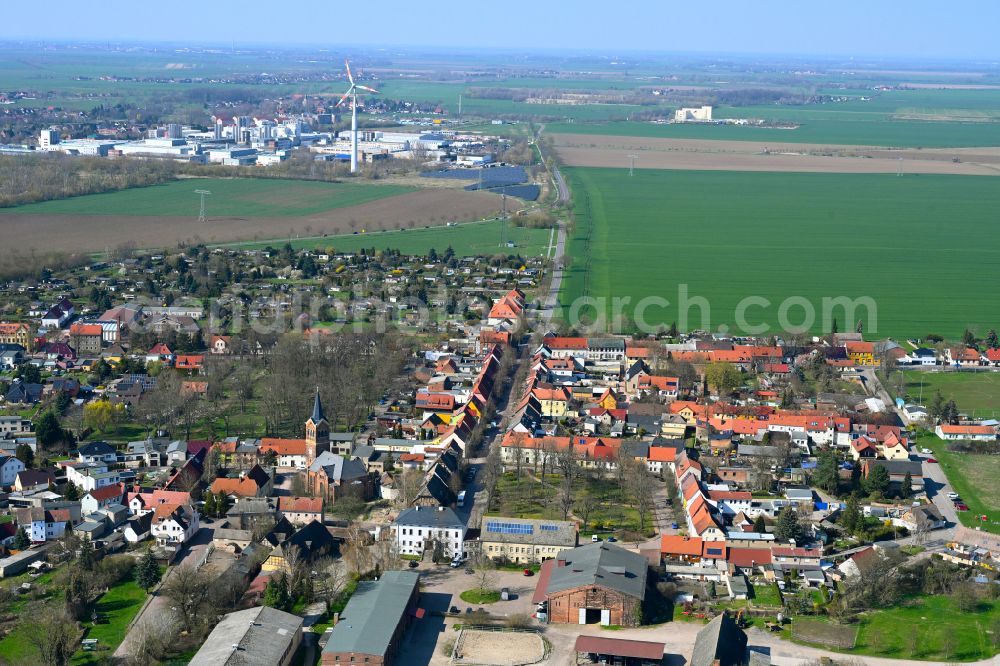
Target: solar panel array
[
  {"x": 549, "y": 528},
  {"x": 509, "y": 528}
]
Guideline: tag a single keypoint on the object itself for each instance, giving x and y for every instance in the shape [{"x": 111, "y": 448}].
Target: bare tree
[
  {"x": 331, "y": 579},
  {"x": 152, "y": 638},
  {"x": 386, "y": 555},
  {"x": 584, "y": 507},
  {"x": 640, "y": 488},
  {"x": 187, "y": 588},
  {"x": 410, "y": 483},
  {"x": 53, "y": 635},
  {"x": 356, "y": 553},
  {"x": 486, "y": 574}
]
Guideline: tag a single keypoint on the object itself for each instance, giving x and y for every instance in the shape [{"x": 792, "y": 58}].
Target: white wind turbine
[{"x": 353, "y": 93}]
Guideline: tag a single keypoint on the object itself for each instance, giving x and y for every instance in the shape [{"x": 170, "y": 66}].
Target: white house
[
  {"x": 97, "y": 452},
  {"x": 46, "y": 524},
  {"x": 90, "y": 476},
  {"x": 418, "y": 528},
  {"x": 9, "y": 468},
  {"x": 174, "y": 524},
  {"x": 138, "y": 529},
  {"x": 976, "y": 433}
]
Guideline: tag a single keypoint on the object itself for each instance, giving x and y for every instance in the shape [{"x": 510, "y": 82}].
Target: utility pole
[
  {"x": 201, "y": 213},
  {"x": 459, "y": 106},
  {"x": 899, "y": 168},
  {"x": 631, "y": 164}
]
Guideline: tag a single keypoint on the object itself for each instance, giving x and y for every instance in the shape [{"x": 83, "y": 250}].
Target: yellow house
[
  {"x": 673, "y": 425},
  {"x": 862, "y": 353},
  {"x": 553, "y": 401},
  {"x": 15, "y": 334},
  {"x": 525, "y": 540},
  {"x": 608, "y": 400}
]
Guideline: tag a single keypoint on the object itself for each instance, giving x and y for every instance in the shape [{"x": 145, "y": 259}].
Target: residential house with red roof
[
  {"x": 191, "y": 362},
  {"x": 975, "y": 433},
  {"x": 287, "y": 452},
  {"x": 862, "y": 353},
  {"x": 255, "y": 483},
  {"x": 102, "y": 497},
  {"x": 300, "y": 510},
  {"x": 86, "y": 339}
]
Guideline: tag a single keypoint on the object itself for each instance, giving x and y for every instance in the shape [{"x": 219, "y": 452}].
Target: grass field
[
  {"x": 941, "y": 631},
  {"x": 231, "y": 197},
  {"x": 728, "y": 236},
  {"x": 977, "y": 394},
  {"x": 527, "y": 498},
  {"x": 478, "y": 238},
  {"x": 839, "y": 128},
  {"x": 116, "y": 609},
  {"x": 975, "y": 477}
]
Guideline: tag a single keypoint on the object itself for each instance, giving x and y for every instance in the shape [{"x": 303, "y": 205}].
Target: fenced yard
[
  {"x": 499, "y": 647},
  {"x": 837, "y": 636}
]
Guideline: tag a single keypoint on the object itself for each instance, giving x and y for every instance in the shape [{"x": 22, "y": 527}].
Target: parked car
[
  {"x": 931, "y": 460},
  {"x": 961, "y": 506},
  {"x": 953, "y": 495},
  {"x": 455, "y": 564},
  {"x": 611, "y": 539},
  {"x": 925, "y": 451},
  {"x": 413, "y": 563},
  {"x": 594, "y": 538},
  {"x": 529, "y": 573}
]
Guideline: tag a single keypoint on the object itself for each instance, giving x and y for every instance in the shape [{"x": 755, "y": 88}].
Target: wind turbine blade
[
  {"x": 372, "y": 90},
  {"x": 350, "y": 76},
  {"x": 346, "y": 95}
]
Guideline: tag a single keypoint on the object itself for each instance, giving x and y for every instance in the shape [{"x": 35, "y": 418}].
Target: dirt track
[
  {"x": 699, "y": 154},
  {"x": 95, "y": 233}
]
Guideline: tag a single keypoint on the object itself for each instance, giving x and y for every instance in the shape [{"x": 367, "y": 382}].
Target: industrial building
[
  {"x": 258, "y": 636},
  {"x": 373, "y": 622}
]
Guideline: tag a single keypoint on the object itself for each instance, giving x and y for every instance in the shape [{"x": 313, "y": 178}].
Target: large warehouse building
[{"x": 594, "y": 584}]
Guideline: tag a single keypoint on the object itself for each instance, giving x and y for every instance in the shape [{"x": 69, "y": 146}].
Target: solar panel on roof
[
  {"x": 500, "y": 527},
  {"x": 549, "y": 528}
]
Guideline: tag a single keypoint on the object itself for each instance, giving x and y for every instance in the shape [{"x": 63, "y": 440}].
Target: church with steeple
[{"x": 317, "y": 432}]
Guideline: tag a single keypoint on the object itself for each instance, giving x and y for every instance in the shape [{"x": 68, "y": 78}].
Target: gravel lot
[{"x": 497, "y": 648}]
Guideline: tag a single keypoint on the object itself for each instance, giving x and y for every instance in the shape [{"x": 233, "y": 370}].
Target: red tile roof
[
  {"x": 283, "y": 447},
  {"x": 620, "y": 647},
  {"x": 747, "y": 557},
  {"x": 300, "y": 504},
  {"x": 107, "y": 492},
  {"x": 675, "y": 544}
]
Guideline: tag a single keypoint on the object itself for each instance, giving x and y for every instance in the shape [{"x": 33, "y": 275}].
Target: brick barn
[{"x": 594, "y": 584}]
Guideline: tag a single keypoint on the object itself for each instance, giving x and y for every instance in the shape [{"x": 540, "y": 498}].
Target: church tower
[{"x": 317, "y": 431}]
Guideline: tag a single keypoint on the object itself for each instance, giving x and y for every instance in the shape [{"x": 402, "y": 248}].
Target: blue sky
[{"x": 885, "y": 28}]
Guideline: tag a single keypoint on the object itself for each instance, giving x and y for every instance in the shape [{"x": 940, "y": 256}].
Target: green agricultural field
[
  {"x": 728, "y": 236},
  {"x": 975, "y": 477},
  {"x": 829, "y": 128},
  {"x": 976, "y": 393},
  {"x": 466, "y": 239},
  {"x": 231, "y": 197}
]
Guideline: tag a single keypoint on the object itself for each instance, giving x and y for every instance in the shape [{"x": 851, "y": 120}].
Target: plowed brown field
[
  {"x": 697, "y": 154},
  {"x": 95, "y": 233}
]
